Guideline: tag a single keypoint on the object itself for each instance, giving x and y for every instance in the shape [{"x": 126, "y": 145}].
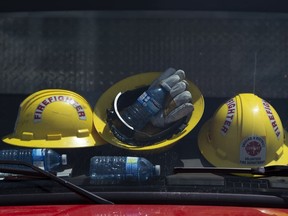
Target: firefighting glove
[{"x": 179, "y": 101}]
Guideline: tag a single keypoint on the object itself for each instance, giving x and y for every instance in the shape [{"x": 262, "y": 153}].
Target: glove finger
[
  {"x": 163, "y": 76},
  {"x": 179, "y": 107},
  {"x": 180, "y": 112},
  {"x": 172, "y": 80},
  {"x": 161, "y": 120},
  {"x": 181, "y": 74},
  {"x": 184, "y": 97},
  {"x": 178, "y": 88}
]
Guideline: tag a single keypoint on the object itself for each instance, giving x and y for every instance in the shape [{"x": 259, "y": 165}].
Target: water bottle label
[
  {"x": 146, "y": 101},
  {"x": 38, "y": 157},
  {"x": 131, "y": 166}
]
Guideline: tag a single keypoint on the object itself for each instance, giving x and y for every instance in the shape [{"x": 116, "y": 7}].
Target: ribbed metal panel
[{"x": 223, "y": 53}]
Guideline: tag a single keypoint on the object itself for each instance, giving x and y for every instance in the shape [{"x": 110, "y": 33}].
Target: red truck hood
[{"x": 134, "y": 210}]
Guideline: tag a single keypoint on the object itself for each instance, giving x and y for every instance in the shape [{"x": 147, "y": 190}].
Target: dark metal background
[{"x": 223, "y": 53}]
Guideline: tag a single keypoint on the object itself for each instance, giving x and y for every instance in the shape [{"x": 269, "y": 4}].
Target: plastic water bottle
[
  {"x": 146, "y": 106},
  {"x": 121, "y": 169},
  {"x": 45, "y": 159}
]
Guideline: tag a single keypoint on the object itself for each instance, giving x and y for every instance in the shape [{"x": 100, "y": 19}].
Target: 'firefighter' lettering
[
  {"x": 231, "y": 105},
  {"x": 271, "y": 118},
  {"x": 41, "y": 107}
]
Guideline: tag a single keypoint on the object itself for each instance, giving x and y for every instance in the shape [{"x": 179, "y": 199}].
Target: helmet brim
[
  {"x": 138, "y": 81},
  {"x": 66, "y": 142}
]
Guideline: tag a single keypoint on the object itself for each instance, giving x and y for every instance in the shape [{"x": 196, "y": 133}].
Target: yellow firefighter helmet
[
  {"x": 102, "y": 114},
  {"x": 245, "y": 131},
  {"x": 54, "y": 118}
]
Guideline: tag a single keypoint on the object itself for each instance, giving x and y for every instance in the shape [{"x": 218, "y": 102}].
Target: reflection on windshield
[{"x": 114, "y": 101}]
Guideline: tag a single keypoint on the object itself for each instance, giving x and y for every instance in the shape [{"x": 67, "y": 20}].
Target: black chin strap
[{"x": 140, "y": 138}]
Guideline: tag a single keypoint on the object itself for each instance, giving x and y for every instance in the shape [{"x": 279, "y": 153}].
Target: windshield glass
[{"x": 114, "y": 101}]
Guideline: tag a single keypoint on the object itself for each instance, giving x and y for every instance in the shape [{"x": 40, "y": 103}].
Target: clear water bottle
[
  {"x": 146, "y": 106},
  {"x": 46, "y": 159},
  {"x": 121, "y": 169}
]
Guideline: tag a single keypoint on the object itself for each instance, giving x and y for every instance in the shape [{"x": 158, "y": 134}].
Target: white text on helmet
[
  {"x": 229, "y": 117},
  {"x": 271, "y": 118},
  {"x": 40, "y": 108}
]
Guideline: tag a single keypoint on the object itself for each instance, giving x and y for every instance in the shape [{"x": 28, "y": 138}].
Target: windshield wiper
[
  {"x": 42, "y": 173},
  {"x": 275, "y": 170}
]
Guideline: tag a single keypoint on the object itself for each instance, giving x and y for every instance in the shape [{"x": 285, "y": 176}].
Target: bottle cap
[
  {"x": 64, "y": 159},
  {"x": 157, "y": 170}
]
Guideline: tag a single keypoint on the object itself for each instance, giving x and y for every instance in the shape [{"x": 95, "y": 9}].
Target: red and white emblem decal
[
  {"x": 253, "y": 151},
  {"x": 253, "y": 148}
]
